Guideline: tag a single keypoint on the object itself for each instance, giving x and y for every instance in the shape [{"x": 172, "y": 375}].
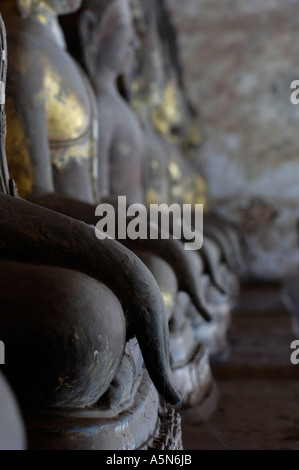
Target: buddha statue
[
  {"x": 56, "y": 158},
  {"x": 166, "y": 168},
  {"x": 126, "y": 130},
  {"x": 177, "y": 119},
  {"x": 105, "y": 60},
  {"x": 71, "y": 308},
  {"x": 107, "y": 38}
]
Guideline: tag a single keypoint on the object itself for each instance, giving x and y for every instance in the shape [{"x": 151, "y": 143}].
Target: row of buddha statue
[{"x": 108, "y": 343}]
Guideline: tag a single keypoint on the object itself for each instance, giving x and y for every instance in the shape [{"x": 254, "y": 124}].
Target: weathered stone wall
[{"x": 240, "y": 57}]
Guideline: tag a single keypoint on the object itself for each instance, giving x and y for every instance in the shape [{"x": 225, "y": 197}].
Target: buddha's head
[
  {"x": 148, "y": 78},
  {"x": 107, "y": 34}
]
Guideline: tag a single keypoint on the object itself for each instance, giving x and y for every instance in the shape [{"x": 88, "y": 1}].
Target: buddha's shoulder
[
  {"x": 29, "y": 39},
  {"x": 35, "y": 53}
]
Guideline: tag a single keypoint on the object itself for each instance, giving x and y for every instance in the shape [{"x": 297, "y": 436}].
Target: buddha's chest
[
  {"x": 128, "y": 145},
  {"x": 67, "y": 99},
  {"x": 71, "y": 121}
]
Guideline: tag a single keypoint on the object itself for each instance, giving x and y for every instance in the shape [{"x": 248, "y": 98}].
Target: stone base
[
  {"x": 198, "y": 414},
  {"x": 142, "y": 423},
  {"x": 169, "y": 433},
  {"x": 190, "y": 363},
  {"x": 214, "y": 334},
  {"x": 194, "y": 379}
]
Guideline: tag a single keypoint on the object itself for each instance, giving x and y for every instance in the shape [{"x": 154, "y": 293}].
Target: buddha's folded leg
[{"x": 70, "y": 365}]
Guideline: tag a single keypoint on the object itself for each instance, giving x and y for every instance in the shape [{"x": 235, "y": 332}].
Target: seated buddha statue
[
  {"x": 72, "y": 307},
  {"x": 167, "y": 177},
  {"x": 51, "y": 108},
  {"x": 126, "y": 143},
  {"x": 187, "y": 186},
  {"x": 123, "y": 143},
  {"x": 176, "y": 118},
  {"x": 171, "y": 117},
  {"x": 168, "y": 174}
]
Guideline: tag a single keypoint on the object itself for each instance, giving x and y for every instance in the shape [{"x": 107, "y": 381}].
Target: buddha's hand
[{"x": 30, "y": 231}]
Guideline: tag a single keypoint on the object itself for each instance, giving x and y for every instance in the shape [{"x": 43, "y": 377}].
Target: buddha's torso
[
  {"x": 60, "y": 87},
  {"x": 171, "y": 177},
  {"x": 156, "y": 166},
  {"x": 186, "y": 186},
  {"x": 126, "y": 147}
]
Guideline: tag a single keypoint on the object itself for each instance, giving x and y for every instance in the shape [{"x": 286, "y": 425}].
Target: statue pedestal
[
  {"x": 191, "y": 372},
  {"x": 214, "y": 334},
  {"x": 134, "y": 420}
]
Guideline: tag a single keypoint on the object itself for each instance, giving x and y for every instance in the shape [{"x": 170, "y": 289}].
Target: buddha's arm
[
  {"x": 170, "y": 250},
  {"x": 30, "y": 231},
  {"x": 30, "y": 166},
  {"x": 105, "y": 137},
  {"x": 75, "y": 208},
  {"x": 28, "y": 152}
]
